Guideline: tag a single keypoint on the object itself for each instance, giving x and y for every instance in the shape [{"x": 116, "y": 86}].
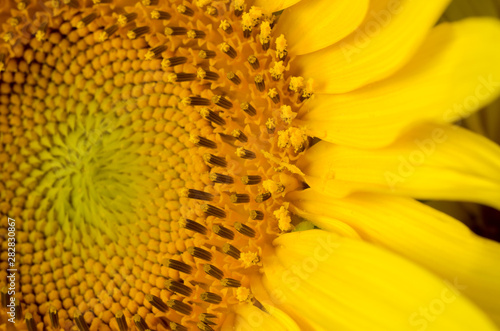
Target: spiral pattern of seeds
[{"x": 147, "y": 147}]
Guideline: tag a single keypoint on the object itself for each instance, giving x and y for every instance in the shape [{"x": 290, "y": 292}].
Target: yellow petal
[
  {"x": 344, "y": 284},
  {"x": 249, "y": 317},
  {"x": 455, "y": 73},
  {"x": 312, "y": 25},
  {"x": 390, "y": 34},
  {"x": 275, "y": 5},
  {"x": 417, "y": 232},
  {"x": 431, "y": 162}
]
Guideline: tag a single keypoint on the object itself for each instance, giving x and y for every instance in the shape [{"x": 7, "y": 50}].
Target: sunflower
[{"x": 220, "y": 165}]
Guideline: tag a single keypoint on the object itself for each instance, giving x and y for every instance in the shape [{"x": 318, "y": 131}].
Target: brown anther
[
  {"x": 4, "y": 295},
  {"x": 140, "y": 323},
  {"x": 54, "y": 317},
  {"x": 245, "y": 153},
  {"x": 194, "y": 226},
  {"x": 223, "y": 232},
  {"x": 213, "y": 211},
  {"x": 247, "y": 33},
  {"x": 177, "y": 327},
  {"x": 203, "y": 142},
  {"x": 185, "y": 10},
  {"x": 221, "y": 101},
  {"x": 18, "y": 309},
  {"x": 200, "y": 253},
  {"x": 228, "y": 139},
  {"x": 80, "y": 321},
  {"x": 230, "y": 282},
  {"x": 215, "y": 161},
  {"x": 231, "y": 251},
  {"x": 221, "y": 179},
  {"x": 150, "y": 2},
  {"x": 251, "y": 180},
  {"x": 175, "y": 31},
  {"x": 238, "y": 11},
  {"x": 155, "y": 53},
  {"x": 205, "y": 318},
  {"x": 226, "y": 26},
  {"x": 244, "y": 229},
  {"x": 206, "y": 54},
  {"x": 211, "y": 116},
  {"x": 178, "y": 265},
  {"x": 256, "y": 215},
  {"x": 156, "y": 302},
  {"x": 30, "y": 322},
  {"x": 283, "y": 56},
  {"x": 121, "y": 321},
  {"x": 137, "y": 32},
  {"x": 212, "y": 11},
  {"x": 87, "y": 20},
  {"x": 233, "y": 77},
  {"x": 248, "y": 108},
  {"x": 208, "y": 75},
  {"x": 273, "y": 95},
  {"x": 270, "y": 125},
  {"x": 265, "y": 46},
  {"x": 240, "y": 198},
  {"x": 180, "y": 306},
  {"x": 211, "y": 297},
  {"x": 228, "y": 49},
  {"x": 254, "y": 62},
  {"x": 196, "y": 34},
  {"x": 127, "y": 18},
  {"x": 204, "y": 326},
  {"x": 259, "y": 83},
  {"x": 213, "y": 271},
  {"x": 196, "y": 101},
  {"x": 173, "y": 61},
  {"x": 72, "y": 3},
  {"x": 160, "y": 15},
  {"x": 109, "y": 31},
  {"x": 262, "y": 197},
  {"x": 259, "y": 305},
  {"x": 181, "y": 77},
  {"x": 238, "y": 134},
  {"x": 178, "y": 287}
]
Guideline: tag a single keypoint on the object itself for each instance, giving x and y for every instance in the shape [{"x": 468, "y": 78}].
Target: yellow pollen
[
  {"x": 265, "y": 32},
  {"x": 103, "y": 36},
  {"x": 270, "y": 124},
  {"x": 286, "y": 113},
  {"x": 249, "y": 259},
  {"x": 149, "y": 56},
  {"x": 243, "y": 294},
  {"x": 200, "y": 73},
  {"x": 283, "y": 139},
  {"x": 155, "y": 14},
  {"x": 272, "y": 186},
  {"x": 296, "y": 83},
  {"x": 240, "y": 151},
  {"x": 14, "y": 21},
  {"x": 8, "y": 36},
  {"x": 224, "y": 25},
  {"x": 203, "y": 3},
  {"x": 272, "y": 92},
  {"x": 307, "y": 92},
  {"x": 298, "y": 138},
  {"x": 225, "y": 47},
  {"x": 21, "y": 5},
  {"x": 40, "y": 35},
  {"x": 281, "y": 46},
  {"x": 131, "y": 35},
  {"x": 122, "y": 20},
  {"x": 277, "y": 70},
  {"x": 239, "y": 4},
  {"x": 283, "y": 217}
]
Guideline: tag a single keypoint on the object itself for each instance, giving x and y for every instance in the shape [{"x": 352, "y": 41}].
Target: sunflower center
[{"x": 151, "y": 150}]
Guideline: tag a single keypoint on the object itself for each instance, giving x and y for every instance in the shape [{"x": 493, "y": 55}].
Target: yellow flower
[{"x": 164, "y": 165}]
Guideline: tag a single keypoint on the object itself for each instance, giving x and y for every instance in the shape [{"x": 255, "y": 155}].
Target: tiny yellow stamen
[
  {"x": 286, "y": 113},
  {"x": 283, "y": 217},
  {"x": 249, "y": 259},
  {"x": 277, "y": 70},
  {"x": 281, "y": 47},
  {"x": 296, "y": 83},
  {"x": 243, "y": 294}
]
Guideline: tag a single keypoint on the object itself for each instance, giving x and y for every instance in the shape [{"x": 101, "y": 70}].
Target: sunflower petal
[
  {"x": 384, "y": 42},
  {"x": 455, "y": 73},
  {"x": 249, "y": 317},
  {"x": 417, "y": 232},
  {"x": 441, "y": 162},
  {"x": 312, "y": 25},
  {"x": 275, "y": 5},
  {"x": 340, "y": 283}
]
